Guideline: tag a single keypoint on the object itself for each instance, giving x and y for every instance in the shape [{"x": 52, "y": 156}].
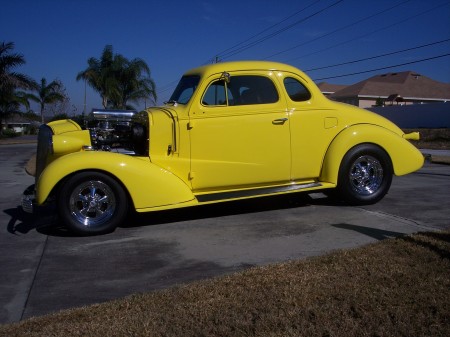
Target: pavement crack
[
  {"x": 400, "y": 219},
  {"x": 41, "y": 257}
]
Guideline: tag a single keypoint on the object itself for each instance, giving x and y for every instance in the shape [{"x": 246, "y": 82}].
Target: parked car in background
[{"x": 229, "y": 131}]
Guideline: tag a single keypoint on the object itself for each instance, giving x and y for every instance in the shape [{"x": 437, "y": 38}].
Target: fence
[{"x": 431, "y": 115}]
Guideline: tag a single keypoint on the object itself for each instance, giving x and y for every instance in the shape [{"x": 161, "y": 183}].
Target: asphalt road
[{"x": 45, "y": 269}]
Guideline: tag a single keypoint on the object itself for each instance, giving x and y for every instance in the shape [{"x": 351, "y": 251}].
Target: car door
[
  {"x": 239, "y": 132},
  {"x": 312, "y": 128}
]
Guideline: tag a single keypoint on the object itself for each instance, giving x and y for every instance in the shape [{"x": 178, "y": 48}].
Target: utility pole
[{"x": 84, "y": 106}]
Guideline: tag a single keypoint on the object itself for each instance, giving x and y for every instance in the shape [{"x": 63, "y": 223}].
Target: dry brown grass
[
  {"x": 435, "y": 139},
  {"x": 398, "y": 287}
]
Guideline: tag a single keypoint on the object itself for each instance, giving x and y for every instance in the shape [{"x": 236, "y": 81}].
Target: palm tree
[
  {"x": 135, "y": 84},
  {"x": 47, "y": 94},
  {"x": 100, "y": 75},
  {"x": 11, "y": 98},
  {"x": 10, "y": 104},
  {"x": 8, "y": 61},
  {"x": 118, "y": 80}
]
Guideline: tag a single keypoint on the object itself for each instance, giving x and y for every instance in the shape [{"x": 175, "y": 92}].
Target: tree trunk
[
  {"x": 42, "y": 113},
  {"x": 105, "y": 102}
]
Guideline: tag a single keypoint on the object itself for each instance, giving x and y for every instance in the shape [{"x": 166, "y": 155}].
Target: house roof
[
  {"x": 18, "y": 119},
  {"x": 406, "y": 84},
  {"x": 328, "y": 88}
]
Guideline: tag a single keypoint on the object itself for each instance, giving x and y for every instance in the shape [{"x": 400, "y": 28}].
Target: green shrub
[
  {"x": 32, "y": 130},
  {"x": 8, "y": 133}
]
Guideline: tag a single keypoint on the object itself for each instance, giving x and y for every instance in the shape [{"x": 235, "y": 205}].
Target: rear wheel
[
  {"x": 92, "y": 203},
  {"x": 365, "y": 175}
]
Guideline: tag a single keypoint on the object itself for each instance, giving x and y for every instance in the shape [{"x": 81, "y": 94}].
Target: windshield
[{"x": 185, "y": 89}]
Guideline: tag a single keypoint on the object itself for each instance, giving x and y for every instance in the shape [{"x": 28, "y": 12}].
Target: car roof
[{"x": 220, "y": 67}]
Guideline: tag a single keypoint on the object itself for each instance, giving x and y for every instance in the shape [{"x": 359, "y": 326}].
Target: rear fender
[
  {"x": 147, "y": 184},
  {"x": 405, "y": 157}
]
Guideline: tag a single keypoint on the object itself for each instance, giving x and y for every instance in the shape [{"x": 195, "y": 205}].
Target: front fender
[
  {"x": 405, "y": 157},
  {"x": 148, "y": 184}
]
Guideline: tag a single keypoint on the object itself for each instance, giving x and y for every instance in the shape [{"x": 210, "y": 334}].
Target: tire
[
  {"x": 365, "y": 175},
  {"x": 92, "y": 203}
]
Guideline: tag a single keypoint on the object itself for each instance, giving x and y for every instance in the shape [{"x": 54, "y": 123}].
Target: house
[
  {"x": 18, "y": 123},
  {"x": 400, "y": 88},
  {"x": 328, "y": 89}
]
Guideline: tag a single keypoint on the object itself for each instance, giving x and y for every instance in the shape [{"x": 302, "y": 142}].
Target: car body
[{"x": 230, "y": 131}]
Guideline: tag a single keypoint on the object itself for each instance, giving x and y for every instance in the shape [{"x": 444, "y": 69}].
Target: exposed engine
[{"x": 116, "y": 130}]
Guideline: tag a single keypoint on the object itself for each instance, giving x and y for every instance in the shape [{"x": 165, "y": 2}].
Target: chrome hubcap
[
  {"x": 366, "y": 175},
  {"x": 92, "y": 203}
]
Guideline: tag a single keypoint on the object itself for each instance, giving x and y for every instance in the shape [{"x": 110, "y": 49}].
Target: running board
[{"x": 254, "y": 192}]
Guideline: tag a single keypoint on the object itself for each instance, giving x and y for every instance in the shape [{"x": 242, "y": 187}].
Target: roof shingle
[{"x": 407, "y": 84}]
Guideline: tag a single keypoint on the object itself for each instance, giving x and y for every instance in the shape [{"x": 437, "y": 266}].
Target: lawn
[{"x": 396, "y": 287}]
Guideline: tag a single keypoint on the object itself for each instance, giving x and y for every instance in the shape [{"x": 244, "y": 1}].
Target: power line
[
  {"x": 236, "y": 49},
  {"x": 264, "y": 30},
  {"x": 339, "y": 29},
  {"x": 370, "y": 33},
  {"x": 254, "y": 43},
  {"x": 377, "y": 56},
  {"x": 172, "y": 84},
  {"x": 168, "y": 86},
  {"x": 382, "y": 68}
]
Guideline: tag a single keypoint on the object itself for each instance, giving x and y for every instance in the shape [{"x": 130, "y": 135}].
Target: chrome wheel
[
  {"x": 92, "y": 203},
  {"x": 366, "y": 175}
]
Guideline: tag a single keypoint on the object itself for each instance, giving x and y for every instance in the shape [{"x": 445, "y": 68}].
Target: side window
[
  {"x": 253, "y": 90},
  {"x": 241, "y": 90},
  {"x": 296, "y": 90},
  {"x": 215, "y": 94}
]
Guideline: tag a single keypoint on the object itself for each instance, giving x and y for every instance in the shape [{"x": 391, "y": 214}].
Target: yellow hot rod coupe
[{"x": 229, "y": 131}]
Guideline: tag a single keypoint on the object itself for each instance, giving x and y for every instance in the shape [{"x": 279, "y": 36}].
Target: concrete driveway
[{"x": 45, "y": 269}]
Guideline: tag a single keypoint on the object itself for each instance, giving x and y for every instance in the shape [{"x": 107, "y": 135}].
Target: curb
[
  {"x": 18, "y": 142},
  {"x": 440, "y": 160},
  {"x": 436, "y": 159}
]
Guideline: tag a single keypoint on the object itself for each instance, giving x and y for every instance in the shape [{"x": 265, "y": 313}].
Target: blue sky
[{"x": 57, "y": 37}]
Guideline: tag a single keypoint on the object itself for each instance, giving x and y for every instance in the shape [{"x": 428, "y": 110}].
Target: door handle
[{"x": 279, "y": 121}]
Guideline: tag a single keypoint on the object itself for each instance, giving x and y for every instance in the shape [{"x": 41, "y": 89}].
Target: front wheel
[
  {"x": 365, "y": 175},
  {"x": 92, "y": 203}
]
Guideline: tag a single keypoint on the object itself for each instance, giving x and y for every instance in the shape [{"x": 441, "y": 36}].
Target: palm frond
[{"x": 118, "y": 79}]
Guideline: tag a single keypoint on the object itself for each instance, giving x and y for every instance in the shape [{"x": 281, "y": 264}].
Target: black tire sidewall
[
  {"x": 344, "y": 187},
  {"x": 66, "y": 190}
]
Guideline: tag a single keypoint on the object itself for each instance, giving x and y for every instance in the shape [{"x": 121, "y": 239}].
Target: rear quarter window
[{"x": 296, "y": 90}]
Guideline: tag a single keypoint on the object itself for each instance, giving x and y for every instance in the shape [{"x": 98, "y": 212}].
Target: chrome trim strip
[
  {"x": 117, "y": 115},
  {"x": 254, "y": 192}
]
